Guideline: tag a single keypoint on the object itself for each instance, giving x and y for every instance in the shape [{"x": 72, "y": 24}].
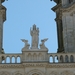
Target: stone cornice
[
  {"x": 11, "y": 66},
  {"x": 56, "y": 7},
  {"x": 35, "y": 50},
  {"x": 47, "y": 65}
]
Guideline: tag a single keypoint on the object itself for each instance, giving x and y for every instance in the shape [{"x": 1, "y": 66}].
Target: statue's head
[{"x": 34, "y": 27}]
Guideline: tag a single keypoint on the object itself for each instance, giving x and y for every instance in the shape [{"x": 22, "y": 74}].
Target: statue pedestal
[{"x": 35, "y": 55}]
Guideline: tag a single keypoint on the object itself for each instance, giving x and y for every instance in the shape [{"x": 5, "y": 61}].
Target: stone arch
[
  {"x": 66, "y": 58},
  {"x": 71, "y": 58},
  {"x": 56, "y": 59},
  {"x": 40, "y": 57},
  {"x": 29, "y": 57},
  {"x": 53, "y": 73},
  {"x": 51, "y": 59},
  {"x": 61, "y": 59},
  {"x": 4, "y": 73},
  {"x": 18, "y": 73},
  {"x": 66, "y": 73},
  {"x": 35, "y": 72},
  {"x": 34, "y": 56},
  {"x": 18, "y": 59}
]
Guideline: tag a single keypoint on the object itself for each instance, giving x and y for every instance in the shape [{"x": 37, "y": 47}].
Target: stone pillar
[
  {"x": 59, "y": 35},
  {"x": 59, "y": 59},
  {"x": 16, "y": 60},
  {"x": 2, "y": 19},
  {"x": 10, "y": 59},
  {"x": 1, "y": 32}
]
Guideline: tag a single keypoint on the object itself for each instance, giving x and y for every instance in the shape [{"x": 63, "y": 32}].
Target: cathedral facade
[{"x": 36, "y": 60}]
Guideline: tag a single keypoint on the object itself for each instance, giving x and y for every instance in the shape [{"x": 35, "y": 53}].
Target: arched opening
[
  {"x": 7, "y": 59},
  {"x": 35, "y": 72},
  {"x": 71, "y": 59},
  {"x": 18, "y": 59},
  {"x": 51, "y": 59},
  {"x": 56, "y": 59},
  {"x": 13, "y": 59},
  {"x": 61, "y": 59}
]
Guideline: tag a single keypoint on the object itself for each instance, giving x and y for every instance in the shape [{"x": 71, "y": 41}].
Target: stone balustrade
[
  {"x": 61, "y": 57},
  {"x": 51, "y": 58},
  {"x": 10, "y": 58}
]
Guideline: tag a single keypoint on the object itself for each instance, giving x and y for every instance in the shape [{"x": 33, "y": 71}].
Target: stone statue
[
  {"x": 42, "y": 45},
  {"x": 26, "y": 43},
  {"x": 35, "y": 37}
]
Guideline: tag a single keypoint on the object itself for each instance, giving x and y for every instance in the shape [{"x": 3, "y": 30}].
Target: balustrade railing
[
  {"x": 51, "y": 58},
  {"x": 61, "y": 57},
  {"x": 10, "y": 58}
]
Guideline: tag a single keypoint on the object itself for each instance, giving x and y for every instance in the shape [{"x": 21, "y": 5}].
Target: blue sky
[{"x": 21, "y": 15}]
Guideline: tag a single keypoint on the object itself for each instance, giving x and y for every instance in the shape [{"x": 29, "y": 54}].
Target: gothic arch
[
  {"x": 4, "y": 73},
  {"x": 66, "y": 73},
  {"x": 18, "y": 73},
  {"x": 40, "y": 56},
  {"x": 34, "y": 56},
  {"x": 53, "y": 73},
  {"x": 35, "y": 72}
]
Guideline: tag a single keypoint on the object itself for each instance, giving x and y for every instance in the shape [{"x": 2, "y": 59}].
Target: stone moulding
[
  {"x": 35, "y": 72},
  {"x": 47, "y": 65}
]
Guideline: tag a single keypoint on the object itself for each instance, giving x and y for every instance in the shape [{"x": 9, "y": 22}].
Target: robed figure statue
[{"x": 35, "y": 37}]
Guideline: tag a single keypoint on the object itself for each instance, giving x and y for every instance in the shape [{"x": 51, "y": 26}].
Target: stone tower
[
  {"x": 65, "y": 19},
  {"x": 2, "y": 19}
]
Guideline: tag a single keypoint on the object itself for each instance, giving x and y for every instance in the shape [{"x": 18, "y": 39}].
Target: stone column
[
  {"x": 16, "y": 60},
  {"x": 1, "y": 32},
  {"x": 10, "y": 59},
  {"x": 2, "y": 19},
  {"x": 59, "y": 35}
]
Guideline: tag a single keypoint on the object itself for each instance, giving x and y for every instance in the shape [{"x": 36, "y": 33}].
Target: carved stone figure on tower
[{"x": 35, "y": 37}]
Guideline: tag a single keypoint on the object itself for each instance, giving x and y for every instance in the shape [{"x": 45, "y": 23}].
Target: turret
[
  {"x": 2, "y": 19},
  {"x": 58, "y": 20},
  {"x": 65, "y": 21}
]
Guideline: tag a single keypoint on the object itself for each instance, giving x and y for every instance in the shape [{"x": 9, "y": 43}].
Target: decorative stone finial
[{"x": 34, "y": 31}]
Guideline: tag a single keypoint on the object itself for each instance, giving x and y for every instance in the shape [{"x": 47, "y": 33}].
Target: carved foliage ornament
[
  {"x": 35, "y": 74},
  {"x": 53, "y": 73},
  {"x": 18, "y": 74},
  {"x": 66, "y": 73},
  {"x": 4, "y": 73}
]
